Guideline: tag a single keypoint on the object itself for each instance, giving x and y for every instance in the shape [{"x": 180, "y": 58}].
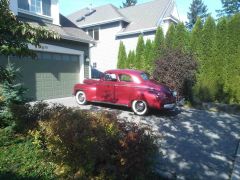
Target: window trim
[
  {"x": 35, "y": 13},
  {"x": 93, "y": 29}
]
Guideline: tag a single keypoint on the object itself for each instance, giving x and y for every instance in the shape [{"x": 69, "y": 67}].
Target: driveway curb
[{"x": 236, "y": 168}]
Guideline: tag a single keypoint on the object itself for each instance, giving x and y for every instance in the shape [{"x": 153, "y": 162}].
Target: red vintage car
[{"x": 129, "y": 88}]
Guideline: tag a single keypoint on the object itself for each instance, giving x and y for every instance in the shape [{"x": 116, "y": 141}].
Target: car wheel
[
  {"x": 140, "y": 107},
  {"x": 81, "y": 98}
]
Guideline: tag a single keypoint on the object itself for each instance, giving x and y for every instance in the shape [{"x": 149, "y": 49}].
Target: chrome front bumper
[{"x": 169, "y": 106}]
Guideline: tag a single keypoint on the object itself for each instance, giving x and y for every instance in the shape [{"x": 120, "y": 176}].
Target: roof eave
[
  {"x": 104, "y": 22},
  {"x": 139, "y": 31},
  {"x": 172, "y": 19},
  {"x": 71, "y": 38}
]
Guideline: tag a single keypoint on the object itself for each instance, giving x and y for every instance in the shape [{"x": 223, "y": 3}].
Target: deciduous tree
[{"x": 17, "y": 35}]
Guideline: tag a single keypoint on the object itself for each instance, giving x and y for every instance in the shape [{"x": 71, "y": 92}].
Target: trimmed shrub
[{"x": 88, "y": 145}]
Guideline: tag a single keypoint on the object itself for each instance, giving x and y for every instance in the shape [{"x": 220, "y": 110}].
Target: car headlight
[
  {"x": 161, "y": 95},
  {"x": 174, "y": 93}
]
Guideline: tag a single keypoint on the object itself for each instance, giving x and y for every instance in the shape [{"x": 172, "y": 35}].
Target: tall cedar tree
[
  {"x": 197, "y": 9},
  {"x": 229, "y": 8},
  {"x": 158, "y": 44},
  {"x": 122, "y": 56},
  {"x": 129, "y": 3},
  {"x": 170, "y": 37},
  {"x": 206, "y": 86},
  {"x": 195, "y": 37},
  {"x": 16, "y": 35},
  {"x": 148, "y": 56},
  {"x": 233, "y": 65},
  {"x": 139, "y": 58},
  {"x": 181, "y": 38},
  {"x": 221, "y": 59},
  {"x": 131, "y": 59}
]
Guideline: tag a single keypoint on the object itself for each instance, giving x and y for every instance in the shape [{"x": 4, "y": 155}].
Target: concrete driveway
[{"x": 196, "y": 144}]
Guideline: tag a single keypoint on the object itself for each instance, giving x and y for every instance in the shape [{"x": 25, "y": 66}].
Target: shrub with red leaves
[{"x": 177, "y": 69}]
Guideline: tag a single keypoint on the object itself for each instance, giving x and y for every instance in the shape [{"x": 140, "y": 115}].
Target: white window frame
[
  {"x": 35, "y": 7},
  {"x": 94, "y": 28},
  {"x": 32, "y": 12}
]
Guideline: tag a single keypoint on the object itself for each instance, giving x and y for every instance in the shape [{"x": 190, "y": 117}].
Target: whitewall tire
[
  {"x": 140, "y": 107},
  {"x": 81, "y": 98}
]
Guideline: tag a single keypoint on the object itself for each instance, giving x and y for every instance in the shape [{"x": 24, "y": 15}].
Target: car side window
[
  {"x": 110, "y": 77},
  {"x": 125, "y": 78}
]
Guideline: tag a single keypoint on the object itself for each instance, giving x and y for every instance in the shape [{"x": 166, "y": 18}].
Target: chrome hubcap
[
  {"x": 140, "y": 106},
  {"x": 81, "y": 97}
]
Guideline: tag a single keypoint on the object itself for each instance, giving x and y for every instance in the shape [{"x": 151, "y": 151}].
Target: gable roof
[
  {"x": 101, "y": 15},
  {"x": 140, "y": 18},
  {"x": 67, "y": 30},
  {"x": 147, "y": 15}
]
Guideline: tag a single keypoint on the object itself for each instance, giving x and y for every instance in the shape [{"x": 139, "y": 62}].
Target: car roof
[{"x": 127, "y": 71}]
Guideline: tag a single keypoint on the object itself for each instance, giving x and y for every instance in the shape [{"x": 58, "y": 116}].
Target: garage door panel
[{"x": 51, "y": 75}]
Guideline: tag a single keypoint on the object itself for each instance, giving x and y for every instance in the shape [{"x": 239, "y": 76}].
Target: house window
[
  {"x": 42, "y": 7},
  {"x": 36, "y": 6},
  {"x": 94, "y": 33}
]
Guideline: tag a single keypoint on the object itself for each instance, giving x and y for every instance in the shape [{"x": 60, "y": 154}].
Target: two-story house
[
  {"x": 109, "y": 25},
  {"x": 59, "y": 63}
]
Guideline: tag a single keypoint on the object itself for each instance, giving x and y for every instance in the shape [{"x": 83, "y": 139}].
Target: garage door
[{"x": 51, "y": 75}]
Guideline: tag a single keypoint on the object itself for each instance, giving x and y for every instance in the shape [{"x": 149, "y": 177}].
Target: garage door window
[{"x": 56, "y": 57}]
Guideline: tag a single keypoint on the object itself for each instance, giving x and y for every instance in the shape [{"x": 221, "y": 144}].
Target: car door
[
  {"x": 124, "y": 89},
  {"x": 106, "y": 88}
]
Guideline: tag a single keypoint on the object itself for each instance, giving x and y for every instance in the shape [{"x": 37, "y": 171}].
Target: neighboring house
[
  {"x": 59, "y": 63},
  {"x": 109, "y": 25}
]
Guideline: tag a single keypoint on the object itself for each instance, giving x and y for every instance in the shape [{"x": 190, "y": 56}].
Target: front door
[
  {"x": 124, "y": 89},
  {"x": 106, "y": 88}
]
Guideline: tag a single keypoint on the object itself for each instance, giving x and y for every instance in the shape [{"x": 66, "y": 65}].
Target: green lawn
[{"x": 20, "y": 159}]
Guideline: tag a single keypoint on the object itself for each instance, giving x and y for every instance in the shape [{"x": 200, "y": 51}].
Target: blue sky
[{"x": 69, "y": 6}]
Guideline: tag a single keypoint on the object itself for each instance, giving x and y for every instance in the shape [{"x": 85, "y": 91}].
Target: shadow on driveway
[{"x": 196, "y": 144}]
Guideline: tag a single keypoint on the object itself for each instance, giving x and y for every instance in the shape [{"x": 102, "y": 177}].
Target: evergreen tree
[
  {"x": 197, "y": 9},
  {"x": 148, "y": 56},
  {"x": 195, "y": 37},
  {"x": 139, "y": 59},
  {"x": 233, "y": 65},
  {"x": 206, "y": 86},
  {"x": 122, "y": 56},
  {"x": 158, "y": 44},
  {"x": 208, "y": 40},
  {"x": 182, "y": 38},
  {"x": 221, "y": 59},
  {"x": 129, "y": 3},
  {"x": 131, "y": 59},
  {"x": 229, "y": 8},
  {"x": 128, "y": 60},
  {"x": 170, "y": 37}
]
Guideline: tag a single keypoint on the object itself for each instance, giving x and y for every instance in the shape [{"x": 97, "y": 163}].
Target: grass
[{"x": 20, "y": 159}]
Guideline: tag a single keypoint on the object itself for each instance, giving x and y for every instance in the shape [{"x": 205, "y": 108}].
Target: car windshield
[{"x": 144, "y": 76}]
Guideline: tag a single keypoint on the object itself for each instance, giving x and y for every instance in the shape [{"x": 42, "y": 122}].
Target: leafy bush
[
  {"x": 86, "y": 145},
  {"x": 11, "y": 93},
  {"x": 26, "y": 116},
  {"x": 20, "y": 159},
  {"x": 177, "y": 69}
]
